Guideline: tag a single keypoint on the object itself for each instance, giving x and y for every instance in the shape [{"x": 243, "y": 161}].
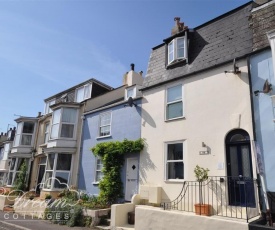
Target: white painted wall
[
  {"x": 213, "y": 103},
  {"x": 152, "y": 218}
]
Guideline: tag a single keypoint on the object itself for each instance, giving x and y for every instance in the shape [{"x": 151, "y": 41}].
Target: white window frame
[
  {"x": 101, "y": 126},
  {"x": 48, "y": 185},
  {"x": 47, "y": 106},
  {"x": 175, "y": 49},
  {"x": 134, "y": 88},
  {"x": 87, "y": 92},
  {"x": 98, "y": 170},
  {"x": 59, "y": 124},
  {"x": 174, "y": 102},
  {"x": 46, "y": 132},
  {"x": 166, "y": 165},
  {"x": 19, "y": 133}
]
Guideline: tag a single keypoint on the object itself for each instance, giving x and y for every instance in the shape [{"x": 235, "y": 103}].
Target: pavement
[{"x": 13, "y": 221}]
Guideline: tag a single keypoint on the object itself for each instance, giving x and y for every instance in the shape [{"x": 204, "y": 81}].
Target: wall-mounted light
[
  {"x": 267, "y": 87},
  {"x": 205, "y": 152}
]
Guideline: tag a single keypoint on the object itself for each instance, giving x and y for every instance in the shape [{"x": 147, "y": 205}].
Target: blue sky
[{"x": 49, "y": 46}]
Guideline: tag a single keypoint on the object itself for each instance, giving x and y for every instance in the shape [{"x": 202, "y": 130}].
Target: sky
[{"x": 49, "y": 46}]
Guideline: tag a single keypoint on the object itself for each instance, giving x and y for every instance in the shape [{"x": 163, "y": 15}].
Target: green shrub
[{"x": 112, "y": 155}]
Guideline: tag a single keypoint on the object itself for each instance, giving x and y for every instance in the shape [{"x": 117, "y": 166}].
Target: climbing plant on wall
[{"x": 112, "y": 156}]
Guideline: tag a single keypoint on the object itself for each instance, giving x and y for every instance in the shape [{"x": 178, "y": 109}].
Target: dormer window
[
  {"x": 177, "y": 50},
  {"x": 24, "y": 133},
  {"x": 47, "y": 106},
  {"x": 130, "y": 92},
  {"x": 83, "y": 93}
]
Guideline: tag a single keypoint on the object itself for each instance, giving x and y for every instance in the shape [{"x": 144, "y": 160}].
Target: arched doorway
[{"x": 239, "y": 169}]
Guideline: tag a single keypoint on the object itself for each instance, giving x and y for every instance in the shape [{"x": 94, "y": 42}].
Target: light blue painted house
[
  {"x": 263, "y": 94},
  {"x": 109, "y": 117}
]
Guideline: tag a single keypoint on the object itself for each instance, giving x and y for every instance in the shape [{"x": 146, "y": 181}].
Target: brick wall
[{"x": 262, "y": 21}]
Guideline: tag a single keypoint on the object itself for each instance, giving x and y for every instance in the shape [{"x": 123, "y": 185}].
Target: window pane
[
  {"x": 10, "y": 178},
  {"x": 46, "y": 135},
  {"x": 175, "y": 170},
  {"x": 26, "y": 140},
  {"x": 99, "y": 175},
  {"x": 104, "y": 131},
  {"x": 87, "y": 91},
  {"x": 50, "y": 161},
  {"x": 69, "y": 115},
  {"x": 64, "y": 162},
  {"x": 175, "y": 151},
  {"x": 99, "y": 164},
  {"x": 61, "y": 179},
  {"x": 180, "y": 47},
  {"x": 130, "y": 92},
  {"x": 56, "y": 116},
  {"x": 54, "y": 131},
  {"x": 174, "y": 110},
  {"x": 12, "y": 164},
  {"x": 174, "y": 93},
  {"x": 80, "y": 94},
  {"x": 105, "y": 119},
  {"x": 28, "y": 127},
  {"x": 67, "y": 131},
  {"x": 170, "y": 52}
]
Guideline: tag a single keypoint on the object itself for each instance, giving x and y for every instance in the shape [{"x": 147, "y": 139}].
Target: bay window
[
  {"x": 63, "y": 123},
  {"x": 24, "y": 133},
  {"x": 15, "y": 166},
  {"x": 58, "y": 171},
  {"x": 174, "y": 161},
  {"x": 174, "y": 102}
]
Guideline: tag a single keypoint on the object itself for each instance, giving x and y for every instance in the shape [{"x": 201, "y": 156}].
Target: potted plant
[{"x": 201, "y": 175}]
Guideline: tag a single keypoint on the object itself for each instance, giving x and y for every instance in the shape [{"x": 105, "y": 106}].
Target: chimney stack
[
  {"x": 179, "y": 26},
  {"x": 133, "y": 67}
]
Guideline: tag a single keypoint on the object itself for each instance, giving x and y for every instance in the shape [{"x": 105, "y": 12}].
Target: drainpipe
[{"x": 79, "y": 147}]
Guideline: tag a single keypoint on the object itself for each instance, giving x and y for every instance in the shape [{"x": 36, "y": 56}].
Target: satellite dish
[{"x": 131, "y": 102}]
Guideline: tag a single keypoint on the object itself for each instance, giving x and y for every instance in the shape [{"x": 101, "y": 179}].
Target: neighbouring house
[
  {"x": 5, "y": 148},
  {"x": 57, "y": 144},
  {"x": 196, "y": 97},
  {"x": 262, "y": 63},
  {"x": 112, "y": 117},
  {"x": 22, "y": 149}
]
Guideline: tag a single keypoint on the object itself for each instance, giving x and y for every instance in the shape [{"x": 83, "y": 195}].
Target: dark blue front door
[{"x": 239, "y": 169}]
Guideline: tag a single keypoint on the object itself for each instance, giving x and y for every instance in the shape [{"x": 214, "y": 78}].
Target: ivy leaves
[{"x": 112, "y": 155}]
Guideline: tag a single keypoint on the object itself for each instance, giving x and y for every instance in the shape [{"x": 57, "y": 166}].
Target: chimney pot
[
  {"x": 140, "y": 72},
  {"x": 133, "y": 67}
]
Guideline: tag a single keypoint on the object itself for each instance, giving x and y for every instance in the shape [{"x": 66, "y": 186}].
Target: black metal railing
[{"x": 234, "y": 197}]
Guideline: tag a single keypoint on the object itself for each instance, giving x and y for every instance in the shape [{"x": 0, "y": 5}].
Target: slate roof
[{"x": 213, "y": 43}]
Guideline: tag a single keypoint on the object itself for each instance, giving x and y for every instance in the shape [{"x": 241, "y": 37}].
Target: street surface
[{"x": 13, "y": 221}]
